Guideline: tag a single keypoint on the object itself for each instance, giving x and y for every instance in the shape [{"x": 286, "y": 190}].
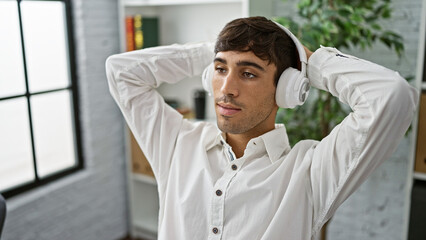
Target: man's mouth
[{"x": 227, "y": 109}]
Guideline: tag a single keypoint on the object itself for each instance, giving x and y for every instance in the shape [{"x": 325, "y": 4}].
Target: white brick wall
[
  {"x": 376, "y": 210},
  {"x": 90, "y": 204}
]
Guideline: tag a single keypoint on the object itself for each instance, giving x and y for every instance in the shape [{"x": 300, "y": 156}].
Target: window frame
[{"x": 72, "y": 88}]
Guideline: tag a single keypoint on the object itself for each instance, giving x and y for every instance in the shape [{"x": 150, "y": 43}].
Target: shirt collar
[
  {"x": 218, "y": 139},
  {"x": 275, "y": 142}
]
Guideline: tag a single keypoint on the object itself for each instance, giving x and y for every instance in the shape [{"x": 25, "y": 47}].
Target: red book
[{"x": 130, "y": 34}]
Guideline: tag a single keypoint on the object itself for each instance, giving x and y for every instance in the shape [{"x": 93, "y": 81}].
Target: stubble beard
[{"x": 254, "y": 118}]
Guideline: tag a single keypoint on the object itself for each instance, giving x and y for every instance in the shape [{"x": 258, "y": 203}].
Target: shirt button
[
  {"x": 218, "y": 192},
  {"x": 215, "y": 230},
  {"x": 234, "y": 167}
]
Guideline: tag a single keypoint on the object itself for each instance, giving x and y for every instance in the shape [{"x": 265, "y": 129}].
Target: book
[
  {"x": 146, "y": 32},
  {"x": 130, "y": 37},
  {"x": 150, "y": 32},
  {"x": 137, "y": 21}
]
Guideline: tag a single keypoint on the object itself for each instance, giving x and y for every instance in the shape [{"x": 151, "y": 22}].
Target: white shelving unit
[{"x": 180, "y": 21}]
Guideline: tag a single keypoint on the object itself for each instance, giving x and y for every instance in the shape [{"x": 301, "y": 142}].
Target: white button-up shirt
[{"x": 273, "y": 191}]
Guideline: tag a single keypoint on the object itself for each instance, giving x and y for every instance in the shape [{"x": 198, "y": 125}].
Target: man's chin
[{"x": 226, "y": 126}]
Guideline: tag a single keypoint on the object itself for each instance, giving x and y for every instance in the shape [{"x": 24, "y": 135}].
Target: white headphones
[{"x": 293, "y": 85}]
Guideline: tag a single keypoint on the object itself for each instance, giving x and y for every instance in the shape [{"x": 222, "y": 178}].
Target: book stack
[{"x": 141, "y": 32}]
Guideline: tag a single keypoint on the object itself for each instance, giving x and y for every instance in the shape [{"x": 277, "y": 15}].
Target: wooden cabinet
[
  {"x": 420, "y": 162},
  {"x": 419, "y": 126}
]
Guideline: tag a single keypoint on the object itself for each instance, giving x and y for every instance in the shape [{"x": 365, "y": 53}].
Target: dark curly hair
[{"x": 261, "y": 36}]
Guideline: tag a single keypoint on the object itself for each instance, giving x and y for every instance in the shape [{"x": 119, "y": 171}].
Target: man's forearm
[
  {"x": 132, "y": 77},
  {"x": 151, "y": 67},
  {"x": 383, "y": 105}
]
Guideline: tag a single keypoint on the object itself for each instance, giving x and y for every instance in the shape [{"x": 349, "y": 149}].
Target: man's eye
[
  {"x": 220, "y": 70},
  {"x": 249, "y": 75}
]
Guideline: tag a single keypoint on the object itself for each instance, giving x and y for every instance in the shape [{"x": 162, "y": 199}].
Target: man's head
[
  {"x": 262, "y": 37},
  {"x": 251, "y": 54}
]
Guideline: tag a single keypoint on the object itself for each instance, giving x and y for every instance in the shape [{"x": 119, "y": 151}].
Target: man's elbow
[
  {"x": 111, "y": 67},
  {"x": 403, "y": 98}
]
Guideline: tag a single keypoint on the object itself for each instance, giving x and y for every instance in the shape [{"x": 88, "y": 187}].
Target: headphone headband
[
  {"x": 299, "y": 47},
  {"x": 293, "y": 85}
]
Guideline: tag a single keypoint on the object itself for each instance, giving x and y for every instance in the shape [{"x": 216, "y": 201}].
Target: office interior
[{"x": 101, "y": 196}]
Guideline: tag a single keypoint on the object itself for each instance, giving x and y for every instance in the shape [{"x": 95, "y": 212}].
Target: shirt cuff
[{"x": 202, "y": 56}]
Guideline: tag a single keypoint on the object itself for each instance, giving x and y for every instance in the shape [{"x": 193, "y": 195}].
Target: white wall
[{"x": 90, "y": 204}]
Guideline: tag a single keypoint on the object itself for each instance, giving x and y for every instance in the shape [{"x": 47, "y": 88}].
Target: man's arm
[
  {"x": 383, "y": 105},
  {"x": 132, "y": 79}
]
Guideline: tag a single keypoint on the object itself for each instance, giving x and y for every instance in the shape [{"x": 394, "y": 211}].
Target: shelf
[
  {"x": 136, "y": 3},
  {"x": 144, "y": 178},
  {"x": 419, "y": 176}
]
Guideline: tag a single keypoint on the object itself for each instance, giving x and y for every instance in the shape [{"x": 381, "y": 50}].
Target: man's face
[{"x": 244, "y": 93}]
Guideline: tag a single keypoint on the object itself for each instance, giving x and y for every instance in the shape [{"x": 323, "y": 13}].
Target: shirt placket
[{"x": 219, "y": 194}]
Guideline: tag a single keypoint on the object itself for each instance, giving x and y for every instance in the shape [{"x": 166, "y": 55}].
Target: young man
[{"x": 241, "y": 179}]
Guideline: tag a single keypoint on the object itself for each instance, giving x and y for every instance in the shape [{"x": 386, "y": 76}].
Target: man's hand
[{"x": 308, "y": 52}]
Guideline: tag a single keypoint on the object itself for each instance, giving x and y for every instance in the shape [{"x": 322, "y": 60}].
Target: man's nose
[{"x": 230, "y": 85}]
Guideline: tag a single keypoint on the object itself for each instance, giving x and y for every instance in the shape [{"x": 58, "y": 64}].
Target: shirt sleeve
[
  {"x": 383, "y": 105},
  {"x": 133, "y": 77}
]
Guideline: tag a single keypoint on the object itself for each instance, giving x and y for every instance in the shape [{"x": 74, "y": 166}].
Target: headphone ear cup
[
  {"x": 293, "y": 85},
  {"x": 292, "y": 88},
  {"x": 207, "y": 78}
]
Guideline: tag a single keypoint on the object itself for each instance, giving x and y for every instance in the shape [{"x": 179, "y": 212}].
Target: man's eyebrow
[
  {"x": 218, "y": 59},
  {"x": 252, "y": 64},
  {"x": 242, "y": 63}
]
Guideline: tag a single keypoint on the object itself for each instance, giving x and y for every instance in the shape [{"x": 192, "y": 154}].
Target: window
[{"x": 39, "y": 126}]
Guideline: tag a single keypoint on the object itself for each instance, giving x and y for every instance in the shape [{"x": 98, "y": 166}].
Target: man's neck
[{"x": 239, "y": 142}]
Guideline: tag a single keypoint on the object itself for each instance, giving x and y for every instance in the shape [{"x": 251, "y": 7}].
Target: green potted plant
[{"x": 339, "y": 24}]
